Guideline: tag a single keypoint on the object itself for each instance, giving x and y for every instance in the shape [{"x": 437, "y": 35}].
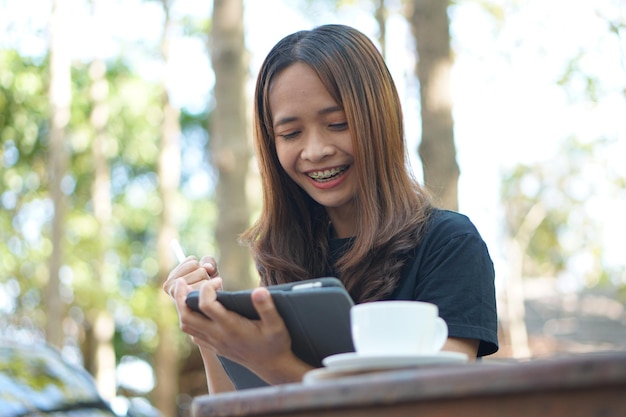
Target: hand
[
  {"x": 263, "y": 345},
  {"x": 194, "y": 273},
  {"x": 191, "y": 322}
]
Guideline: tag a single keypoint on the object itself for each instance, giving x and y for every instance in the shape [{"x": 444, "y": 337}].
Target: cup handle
[{"x": 441, "y": 334}]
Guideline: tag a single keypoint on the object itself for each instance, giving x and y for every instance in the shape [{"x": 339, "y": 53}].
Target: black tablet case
[{"x": 318, "y": 320}]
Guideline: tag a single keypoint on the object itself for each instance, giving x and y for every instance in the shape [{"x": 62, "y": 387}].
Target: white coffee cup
[{"x": 397, "y": 328}]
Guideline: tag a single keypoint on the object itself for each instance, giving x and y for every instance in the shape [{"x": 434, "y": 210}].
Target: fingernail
[{"x": 260, "y": 295}]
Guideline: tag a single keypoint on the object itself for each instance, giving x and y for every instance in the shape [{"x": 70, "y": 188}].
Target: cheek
[
  {"x": 285, "y": 157},
  {"x": 346, "y": 143}
]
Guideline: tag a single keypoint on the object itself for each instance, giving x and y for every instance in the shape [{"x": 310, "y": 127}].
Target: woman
[{"x": 338, "y": 200}]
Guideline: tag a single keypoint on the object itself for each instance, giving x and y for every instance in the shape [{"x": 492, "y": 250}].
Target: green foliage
[
  {"x": 565, "y": 186},
  {"x": 127, "y": 286},
  {"x": 196, "y": 26},
  {"x": 23, "y": 199}
]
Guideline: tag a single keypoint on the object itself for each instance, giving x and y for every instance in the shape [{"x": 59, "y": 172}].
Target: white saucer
[{"x": 352, "y": 361}]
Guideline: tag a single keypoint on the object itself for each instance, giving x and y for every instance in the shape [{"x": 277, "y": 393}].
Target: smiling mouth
[{"x": 328, "y": 174}]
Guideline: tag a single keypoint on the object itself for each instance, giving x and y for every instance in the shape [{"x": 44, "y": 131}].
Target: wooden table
[{"x": 583, "y": 385}]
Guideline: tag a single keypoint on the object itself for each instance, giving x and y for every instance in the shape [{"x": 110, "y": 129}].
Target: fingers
[
  {"x": 216, "y": 283},
  {"x": 264, "y": 305},
  {"x": 191, "y": 322},
  {"x": 207, "y": 301},
  {"x": 186, "y": 269},
  {"x": 193, "y": 271},
  {"x": 229, "y": 334},
  {"x": 210, "y": 266},
  {"x": 179, "y": 291},
  {"x": 168, "y": 286}
]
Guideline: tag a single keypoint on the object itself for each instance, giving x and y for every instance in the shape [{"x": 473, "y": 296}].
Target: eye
[
  {"x": 290, "y": 135},
  {"x": 338, "y": 126}
]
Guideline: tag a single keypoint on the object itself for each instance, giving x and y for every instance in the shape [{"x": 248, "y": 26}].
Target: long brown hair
[{"x": 289, "y": 241}]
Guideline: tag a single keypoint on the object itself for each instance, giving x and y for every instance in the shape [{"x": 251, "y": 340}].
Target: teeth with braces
[{"x": 322, "y": 175}]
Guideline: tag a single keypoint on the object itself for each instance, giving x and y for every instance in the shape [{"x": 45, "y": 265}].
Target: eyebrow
[
  {"x": 324, "y": 111},
  {"x": 328, "y": 110}
]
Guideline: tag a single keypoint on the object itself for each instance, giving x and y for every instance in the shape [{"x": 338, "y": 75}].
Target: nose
[{"x": 316, "y": 147}]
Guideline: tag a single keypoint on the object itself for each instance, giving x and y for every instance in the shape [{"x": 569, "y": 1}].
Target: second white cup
[{"x": 397, "y": 328}]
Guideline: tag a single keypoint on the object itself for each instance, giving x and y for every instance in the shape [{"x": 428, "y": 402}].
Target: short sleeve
[{"x": 453, "y": 270}]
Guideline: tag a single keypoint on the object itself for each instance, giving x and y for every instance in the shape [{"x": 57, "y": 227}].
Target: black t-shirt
[{"x": 451, "y": 268}]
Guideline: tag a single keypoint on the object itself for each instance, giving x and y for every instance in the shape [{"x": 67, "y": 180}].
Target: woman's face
[{"x": 313, "y": 139}]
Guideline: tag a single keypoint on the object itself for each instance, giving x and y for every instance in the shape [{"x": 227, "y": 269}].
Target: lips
[{"x": 327, "y": 174}]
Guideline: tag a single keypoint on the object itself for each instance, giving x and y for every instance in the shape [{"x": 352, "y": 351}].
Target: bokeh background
[{"x": 115, "y": 137}]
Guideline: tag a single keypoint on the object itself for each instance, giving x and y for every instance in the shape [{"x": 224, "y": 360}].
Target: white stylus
[{"x": 178, "y": 250}]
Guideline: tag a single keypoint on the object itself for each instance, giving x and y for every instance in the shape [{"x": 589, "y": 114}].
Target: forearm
[
  {"x": 282, "y": 371},
  {"x": 289, "y": 369},
  {"x": 217, "y": 379}
]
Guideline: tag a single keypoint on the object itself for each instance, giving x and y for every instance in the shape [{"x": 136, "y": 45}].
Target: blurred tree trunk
[
  {"x": 514, "y": 308},
  {"x": 101, "y": 320},
  {"x": 169, "y": 165},
  {"x": 230, "y": 148},
  {"x": 100, "y": 358},
  {"x": 430, "y": 27},
  {"x": 381, "y": 15},
  {"x": 60, "y": 97}
]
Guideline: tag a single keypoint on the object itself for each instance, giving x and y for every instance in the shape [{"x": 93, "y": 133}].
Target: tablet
[{"x": 316, "y": 313}]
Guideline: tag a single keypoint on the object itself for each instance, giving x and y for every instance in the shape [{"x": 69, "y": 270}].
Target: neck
[{"x": 342, "y": 225}]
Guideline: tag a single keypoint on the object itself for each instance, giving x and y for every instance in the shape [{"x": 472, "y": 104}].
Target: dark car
[{"x": 36, "y": 381}]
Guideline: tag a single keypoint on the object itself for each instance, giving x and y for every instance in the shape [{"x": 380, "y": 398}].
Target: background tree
[
  {"x": 60, "y": 96},
  {"x": 24, "y": 127},
  {"x": 381, "y": 14},
  {"x": 125, "y": 288},
  {"x": 230, "y": 142},
  {"x": 101, "y": 358},
  {"x": 110, "y": 265},
  {"x": 550, "y": 227},
  {"x": 169, "y": 168},
  {"x": 430, "y": 27},
  {"x": 99, "y": 330}
]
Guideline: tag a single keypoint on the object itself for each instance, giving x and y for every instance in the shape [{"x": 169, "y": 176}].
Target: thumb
[{"x": 264, "y": 305}]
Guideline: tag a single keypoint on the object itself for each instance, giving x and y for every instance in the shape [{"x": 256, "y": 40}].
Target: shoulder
[
  {"x": 447, "y": 224},
  {"x": 448, "y": 238}
]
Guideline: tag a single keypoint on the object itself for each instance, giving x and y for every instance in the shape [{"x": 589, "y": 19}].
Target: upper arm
[{"x": 455, "y": 272}]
